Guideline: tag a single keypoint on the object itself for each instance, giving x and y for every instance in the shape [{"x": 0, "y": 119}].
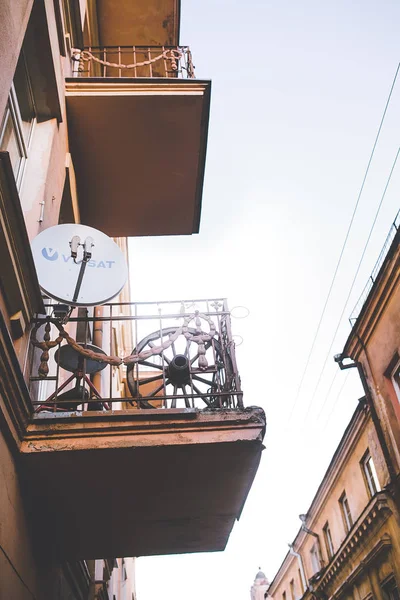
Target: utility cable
[
  {"x": 336, "y": 401},
  {"x": 344, "y": 245},
  {"x": 328, "y": 355},
  {"x": 328, "y": 392}
]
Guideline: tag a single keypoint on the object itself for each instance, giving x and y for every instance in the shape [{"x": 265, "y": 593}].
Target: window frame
[
  {"x": 393, "y": 373},
  {"x": 315, "y": 560},
  {"x": 301, "y": 581},
  {"x": 330, "y": 551},
  {"x": 370, "y": 475},
  {"x": 389, "y": 587},
  {"x": 13, "y": 113},
  {"x": 292, "y": 589},
  {"x": 346, "y": 513}
]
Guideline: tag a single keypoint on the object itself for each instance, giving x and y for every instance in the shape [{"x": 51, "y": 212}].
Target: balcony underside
[
  {"x": 149, "y": 22},
  {"x": 139, "y": 149},
  {"x": 140, "y": 483}
]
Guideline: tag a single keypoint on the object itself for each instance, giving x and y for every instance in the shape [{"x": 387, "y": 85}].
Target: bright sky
[{"x": 298, "y": 92}]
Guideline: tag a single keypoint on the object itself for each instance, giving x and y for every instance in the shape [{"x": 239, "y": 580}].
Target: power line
[
  {"x": 336, "y": 400},
  {"x": 328, "y": 392},
  {"x": 344, "y": 245},
  {"x": 328, "y": 355}
]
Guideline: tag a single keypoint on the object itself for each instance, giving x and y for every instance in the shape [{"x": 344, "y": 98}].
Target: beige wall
[
  {"x": 24, "y": 572},
  {"x": 14, "y": 15},
  {"x": 344, "y": 474},
  {"x": 382, "y": 346}
]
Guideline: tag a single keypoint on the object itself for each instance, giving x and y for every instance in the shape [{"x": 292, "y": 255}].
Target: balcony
[
  {"x": 148, "y": 449},
  {"x": 138, "y": 124}
]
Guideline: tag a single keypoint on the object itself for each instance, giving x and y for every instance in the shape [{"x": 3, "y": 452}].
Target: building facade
[
  {"x": 103, "y": 123},
  {"x": 373, "y": 347},
  {"x": 348, "y": 544}
]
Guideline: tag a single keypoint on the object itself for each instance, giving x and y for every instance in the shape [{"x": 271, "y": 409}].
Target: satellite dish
[{"x": 78, "y": 265}]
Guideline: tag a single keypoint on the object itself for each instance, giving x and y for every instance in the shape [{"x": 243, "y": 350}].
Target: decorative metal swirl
[{"x": 199, "y": 337}]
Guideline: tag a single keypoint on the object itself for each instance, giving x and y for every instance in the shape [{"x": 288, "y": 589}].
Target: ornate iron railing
[
  {"x": 133, "y": 61},
  {"x": 151, "y": 355},
  {"x": 371, "y": 280}
]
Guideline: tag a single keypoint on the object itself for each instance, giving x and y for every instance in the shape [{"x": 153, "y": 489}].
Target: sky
[{"x": 298, "y": 92}]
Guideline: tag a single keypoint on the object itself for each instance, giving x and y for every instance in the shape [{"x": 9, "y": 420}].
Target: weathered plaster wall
[
  {"x": 381, "y": 349},
  {"x": 25, "y": 573},
  {"x": 44, "y": 176},
  {"x": 18, "y": 571},
  {"x": 14, "y": 16},
  {"x": 347, "y": 476}
]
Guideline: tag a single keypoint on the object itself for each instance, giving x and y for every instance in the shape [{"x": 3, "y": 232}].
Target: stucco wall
[
  {"x": 14, "y": 16},
  {"x": 382, "y": 346},
  {"x": 25, "y": 573},
  {"x": 345, "y": 475},
  {"x": 18, "y": 571}
]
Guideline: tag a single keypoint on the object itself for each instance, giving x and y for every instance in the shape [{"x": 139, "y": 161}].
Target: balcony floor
[
  {"x": 139, "y": 483},
  {"x": 138, "y": 148}
]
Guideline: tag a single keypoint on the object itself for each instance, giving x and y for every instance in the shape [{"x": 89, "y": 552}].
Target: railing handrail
[
  {"x": 167, "y": 47},
  {"x": 143, "y": 349},
  {"x": 170, "y": 62},
  {"x": 394, "y": 228}
]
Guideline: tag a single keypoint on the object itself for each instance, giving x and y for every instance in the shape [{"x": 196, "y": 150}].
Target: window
[
  {"x": 316, "y": 566},
  {"x": 292, "y": 590},
  {"x": 395, "y": 376},
  {"x": 301, "y": 581},
  {"x": 17, "y": 124},
  {"x": 370, "y": 474},
  {"x": 390, "y": 590},
  {"x": 284, "y": 596},
  {"x": 328, "y": 540},
  {"x": 346, "y": 514}
]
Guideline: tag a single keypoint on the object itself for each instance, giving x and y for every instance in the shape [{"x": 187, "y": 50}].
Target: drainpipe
[
  {"x": 301, "y": 566},
  {"x": 97, "y": 341},
  {"x": 304, "y": 528},
  {"x": 339, "y": 358}
]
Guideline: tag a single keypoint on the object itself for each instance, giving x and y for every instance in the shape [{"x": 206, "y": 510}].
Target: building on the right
[
  {"x": 348, "y": 545},
  {"x": 373, "y": 346}
]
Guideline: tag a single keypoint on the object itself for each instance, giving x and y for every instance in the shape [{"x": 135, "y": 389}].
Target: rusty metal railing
[
  {"x": 133, "y": 61},
  {"x": 371, "y": 280},
  {"x": 153, "y": 355}
]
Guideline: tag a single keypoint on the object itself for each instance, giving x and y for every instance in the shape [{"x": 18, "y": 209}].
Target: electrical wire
[
  {"x": 336, "y": 401},
  {"x": 328, "y": 392},
  {"x": 343, "y": 246},
  {"x": 328, "y": 355}
]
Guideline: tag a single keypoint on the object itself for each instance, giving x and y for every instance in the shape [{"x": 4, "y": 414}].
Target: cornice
[
  {"x": 387, "y": 281},
  {"x": 343, "y": 452},
  {"x": 376, "y": 512},
  {"x": 123, "y": 429},
  {"x": 110, "y": 86}
]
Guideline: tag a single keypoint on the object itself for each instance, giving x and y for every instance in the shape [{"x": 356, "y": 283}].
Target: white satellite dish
[{"x": 78, "y": 265}]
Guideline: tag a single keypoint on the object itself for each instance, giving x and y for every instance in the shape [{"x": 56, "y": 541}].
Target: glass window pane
[
  {"x": 24, "y": 97},
  {"x": 9, "y": 142},
  {"x": 374, "y": 475}
]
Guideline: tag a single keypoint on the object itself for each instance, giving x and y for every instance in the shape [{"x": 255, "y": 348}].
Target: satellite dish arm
[{"x": 87, "y": 255}]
